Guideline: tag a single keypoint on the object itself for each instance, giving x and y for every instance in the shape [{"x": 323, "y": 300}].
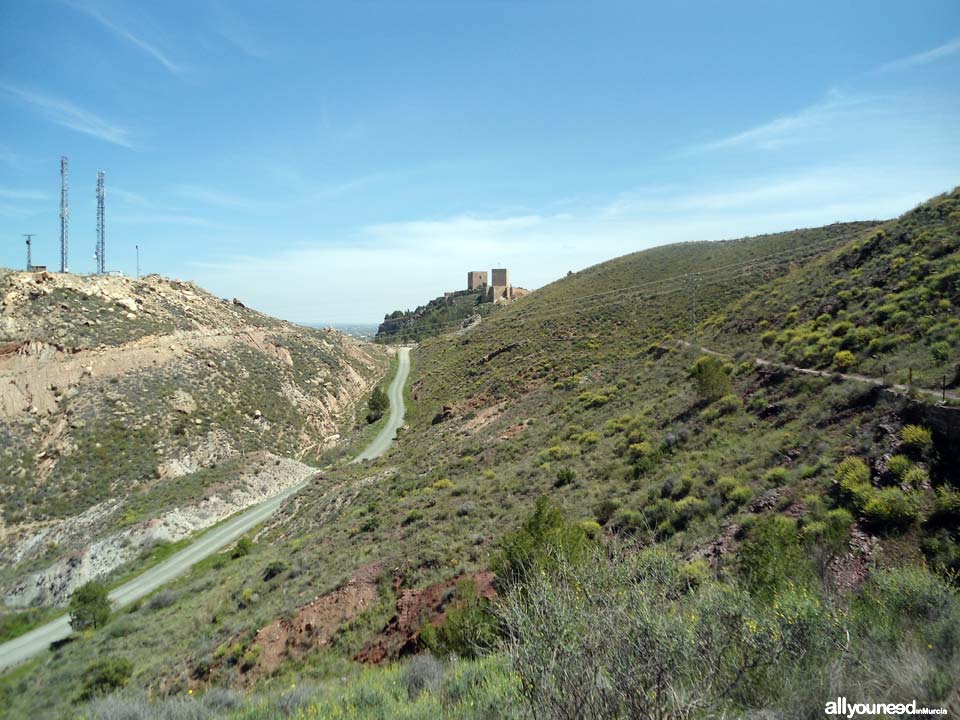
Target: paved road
[
  {"x": 381, "y": 443},
  {"x": 39, "y": 639}
]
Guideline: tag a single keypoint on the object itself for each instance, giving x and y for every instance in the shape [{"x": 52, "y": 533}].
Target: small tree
[
  {"x": 89, "y": 606},
  {"x": 377, "y": 405},
  {"x": 712, "y": 377}
]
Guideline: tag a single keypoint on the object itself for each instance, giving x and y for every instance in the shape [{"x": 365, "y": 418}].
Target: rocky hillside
[
  {"x": 439, "y": 315},
  {"x": 123, "y": 401}
]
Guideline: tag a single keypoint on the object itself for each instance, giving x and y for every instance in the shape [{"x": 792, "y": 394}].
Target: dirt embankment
[
  {"x": 265, "y": 476},
  {"x": 317, "y": 622},
  {"x": 415, "y": 608}
]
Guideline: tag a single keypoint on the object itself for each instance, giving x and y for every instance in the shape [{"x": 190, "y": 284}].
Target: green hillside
[
  {"x": 889, "y": 299},
  {"x": 675, "y": 534}
]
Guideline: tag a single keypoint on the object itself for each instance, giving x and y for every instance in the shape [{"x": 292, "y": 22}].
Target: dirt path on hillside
[{"x": 896, "y": 389}]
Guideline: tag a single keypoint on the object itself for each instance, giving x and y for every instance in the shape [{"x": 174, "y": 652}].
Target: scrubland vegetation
[{"x": 675, "y": 534}]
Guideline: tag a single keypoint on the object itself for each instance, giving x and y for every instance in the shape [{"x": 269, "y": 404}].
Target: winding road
[{"x": 39, "y": 639}]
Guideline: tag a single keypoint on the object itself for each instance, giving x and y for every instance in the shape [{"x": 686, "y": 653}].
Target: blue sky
[{"x": 330, "y": 162}]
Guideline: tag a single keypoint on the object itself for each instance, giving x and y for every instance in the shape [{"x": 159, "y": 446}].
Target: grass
[{"x": 14, "y": 623}]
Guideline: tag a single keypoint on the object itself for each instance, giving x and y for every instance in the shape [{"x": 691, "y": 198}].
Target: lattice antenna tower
[
  {"x": 64, "y": 212},
  {"x": 29, "y": 237},
  {"x": 101, "y": 229}
]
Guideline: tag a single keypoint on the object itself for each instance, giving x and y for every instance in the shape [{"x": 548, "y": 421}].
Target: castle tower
[
  {"x": 500, "y": 285},
  {"x": 477, "y": 280}
]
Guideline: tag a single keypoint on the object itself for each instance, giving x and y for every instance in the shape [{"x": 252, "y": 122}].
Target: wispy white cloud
[
  {"x": 923, "y": 58},
  {"x": 9, "y": 194},
  {"x": 17, "y": 211},
  {"x": 401, "y": 264},
  {"x": 130, "y": 198},
  {"x": 463, "y": 229},
  {"x": 211, "y": 196},
  {"x": 239, "y": 33},
  {"x": 9, "y": 157},
  {"x": 789, "y": 129},
  {"x": 163, "y": 219},
  {"x": 66, "y": 114},
  {"x": 120, "y": 31}
]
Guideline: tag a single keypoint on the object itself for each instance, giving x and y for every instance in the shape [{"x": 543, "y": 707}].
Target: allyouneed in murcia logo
[{"x": 841, "y": 707}]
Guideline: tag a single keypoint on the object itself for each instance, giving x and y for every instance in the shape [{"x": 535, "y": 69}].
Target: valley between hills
[{"x": 706, "y": 479}]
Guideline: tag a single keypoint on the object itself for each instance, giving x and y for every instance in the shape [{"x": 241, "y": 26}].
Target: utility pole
[
  {"x": 138, "y": 261},
  {"x": 694, "y": 280},
  {"x": 29, "y": 237},
  {"x": 64, "y": 212}
]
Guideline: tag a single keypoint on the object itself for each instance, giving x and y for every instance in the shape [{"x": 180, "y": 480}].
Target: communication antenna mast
[
  {"x": 101, "y": 230},
  {"x": 64, "y": 212},
  {"x": 138, "y": 261},
  {"x": 29, "y": 237}
]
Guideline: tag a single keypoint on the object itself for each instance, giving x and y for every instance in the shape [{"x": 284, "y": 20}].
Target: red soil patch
[
  {"x": 414, "y": 608},
  {"x": 315, "y": 623}
]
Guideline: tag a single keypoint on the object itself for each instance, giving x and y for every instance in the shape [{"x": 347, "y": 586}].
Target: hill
[
  {"x": 134, "y": 412},
  {"x": 771, "y": 538},
  {"x": 438, "y": 315},
  {"x": 884, "y": 305}
]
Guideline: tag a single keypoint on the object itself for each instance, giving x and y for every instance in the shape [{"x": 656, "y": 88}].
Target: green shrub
[
  {"x": 889, "y": 509},
  {"x": 916, "y": 477},
  {"x": 844, "y": 359},
  {"x": 275, "y": 568},
  {"x": 771, "y": 557},
  {"x": 442, "y": 484},
  {"x": 948, "y": 502},
  {"x": 545, "y": 539},
  {"x": 917, "y": 438},
  {"x": 242, "y": 548},
  {"x": 628, "y": 521},
  {"x": 711, "y": 376},
  {"x": 89, "y": 606},
  {"x": 733, "y": 491},
  {"x": 687, "y": 509},
  {"x": 104, "y": 676},
  {"x": 470, "y": 627},
  {"x": 777, "y": 476},
  {"x": 831, "y": 534},
  {"x": 642, "y": 636},
  {"x": 729, "y": 404},
  {"x": 899, "y": 466},
  {"x": 604, "y": 510},
  {"x": 942, "y": 351},
  {"x": 853, "y": 479},
  {"x": 565, "y": 476},
  {"x": 592, "y": 529}
]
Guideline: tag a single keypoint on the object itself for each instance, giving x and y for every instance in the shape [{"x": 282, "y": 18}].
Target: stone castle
[{"x": 497, "y": 291}]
